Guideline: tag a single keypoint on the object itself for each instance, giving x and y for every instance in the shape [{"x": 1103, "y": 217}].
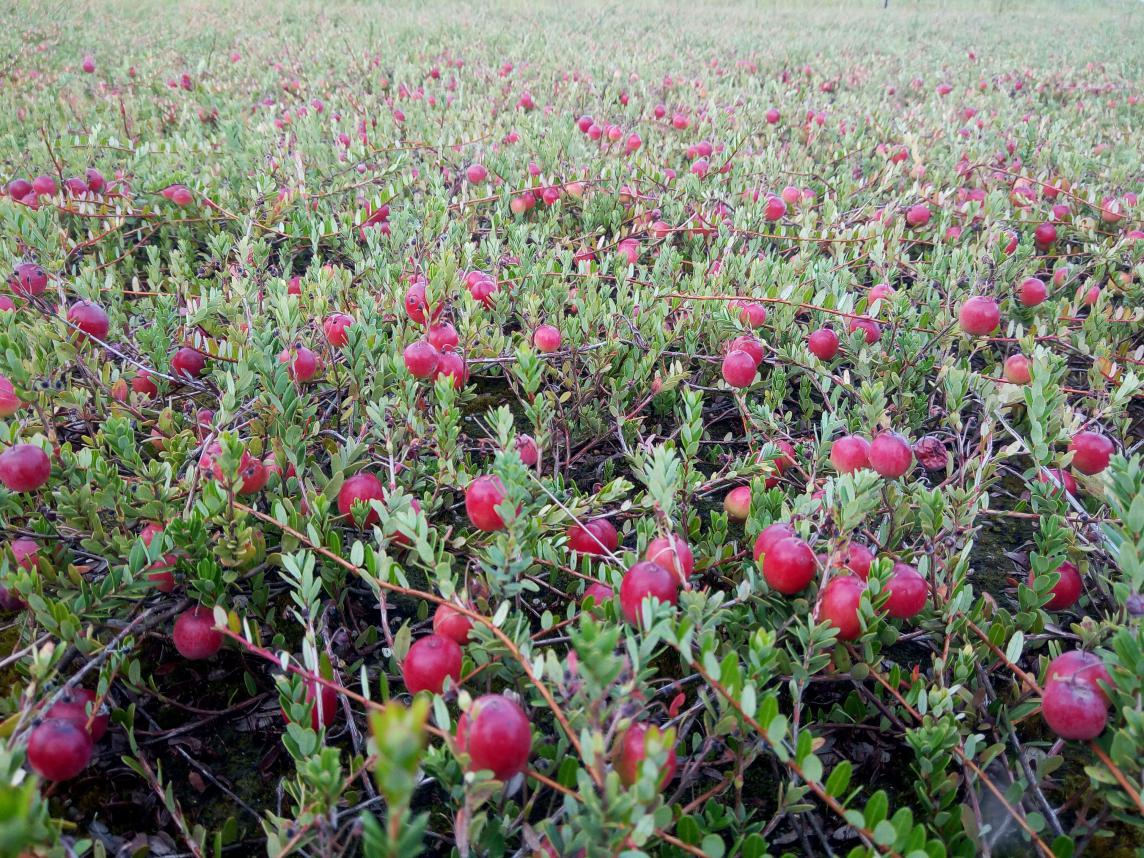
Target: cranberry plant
[{"x": 554, "y": 431}]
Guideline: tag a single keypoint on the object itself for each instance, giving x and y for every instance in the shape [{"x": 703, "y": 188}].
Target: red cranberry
[
  {"x": 1080, "y": 666},
  {"x": 597, "y": 537},
  {"x": 335, "y": 328},
  {"x": 1067, "y": 589},
  {"x": 1032, "y": 292},
  {"x": 632, "y": 752},
  {"x": 1091, "y": 452},
  {"x": 890, "y": 455},
  {"x": 917, "y": 216},
  {"x": 599, "y": 593},
  {"x": 838, "y": 604},
  {"x": 1073, "y": 709},
  {"x": 416, "y": 303},
  {"x": 78, "y": 707},
  {"x": 870, "y": 329},
  {"x": 979, "y": 315},
  {"x": 195, "y": 636},
  {"x": 452, "y": 365},
  {"x": 753, "y": 314},
  {"x": 1057, "y": 478},
  {"x": 858, "y": 559},
  {"x": 770, "y": 535},
  {"x": 482, "y": 497},
  {"x": 363, "y": 487},
  {"x": 823, "y": 344},
  {"x": 907, "y": 591},
  {"x": 496, "y": 735},
  {"x": 429, "y": 661},
  {"x": 90, "y": 319},
  {"x": 323, "y": 701},
  {"x": 421, "y": 359},
  {"x": 674, "y": 554},
  {"x": 304, "y": 364},
  {"x": 25, "y": 551},
  {"x": 647, "y": 579},
  {"x": 443, "y": 337},
  {"x": 29, "y": 280},
  {"x": 750, "y": 345},
  {"x": 546, "y": 338},
  {"x": 451, "y": 623},
  {"x": 188, "y": 363},
  {"x": 850, "y": 453},
  {"x": 9, "y": 402},
  {"x": 1045, "y": 235},
  {"x": 739, "y": 369},
  {"x": 789, "y": 565},
  {"x": 24, "y": 468},
  {"x": 58, "y": 749}
]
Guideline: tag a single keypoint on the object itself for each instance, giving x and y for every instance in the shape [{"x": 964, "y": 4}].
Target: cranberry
[
  {"x": 77, "y": 706},
  {"x": 771, "y": 534},
  {"x": 443, "y": 337},
  {"x": 907, "y": 591},
  {"x": 750, "y": 345},
  {"x": 496, "y": 735},
  {"x": 674, "y": 554},
  {"x": 1056, "y": 478},
  {"x": 917, "y": 216},
  {"x": 838, "y": 604},
  {"x": 9, "y": 402},
  {"x": 1016, "y": 370},
  {"x": 525, "y": 446},
  {"x": 850, "y": 453},
  {"x": 1045, "y": 235},
  {"x": 188, "y": 363},
  {"x": 482, "y": 497},
  {"x": 737, "y": 503},
  {"x": 858, "y": 559},
  {"x": 739, "y": 369},
  {"x": 1067, "y": 589},
  {"x": 823, "y": 344},
  {"x": 323, "y": 702},
  {"x": 451, "y": 623},
  {"x": 931, "y": 453},
  {"x": 890, "y": 455},
  {"x": 451, "y": 365},
  {"x": 476, "y": 173},
  {"x": 632, "y": 751},
  {"x": 1091, "y": 452},
  {"x": 789, "y": 565},
  {"x": 58, "y": 749},
  {"x": 304, "y": 364},
  {"x": 1080, "y": 666},
  {"x": 94, "y": 179},
  {"x": 416, "y": 303},
  {"x": 45, "y": 186},
  {"x": 752, "y": 314},
  {"x": 597, "y": 537},
  {"x": 599, "y": 592},
  {"x": 647, "y": 579},
  {"x": 870, "y": 329},
  {"x": 143, "y": 385},
  {"x": 1032, "y": 292},
  {"x": 363, "y": 487},
  {"x": 1073, "y": 709},
  {"x": 335, "y": 328},
  {"x": 429, "y": 661},
  {"x": 421, "y": 359},
  {"x": 195, "y": 636},
  {"x": 25, "y": 551},
  {"x": 19, "y": 188},
  {"x": 24, "y": 468},
  {"x": 546, "y": 338},
  {"x": 29, "y": 280},
  {"x": 90, "y": 319},
  {"x": 979, "y": 315},
  {"x": 775, "y": 208}
]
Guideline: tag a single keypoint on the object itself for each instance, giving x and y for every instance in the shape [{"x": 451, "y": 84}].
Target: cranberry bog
[{"x": 571, "y": 429}]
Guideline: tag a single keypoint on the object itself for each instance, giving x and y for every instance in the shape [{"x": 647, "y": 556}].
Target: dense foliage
[{"x": 352, "y": 352}]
